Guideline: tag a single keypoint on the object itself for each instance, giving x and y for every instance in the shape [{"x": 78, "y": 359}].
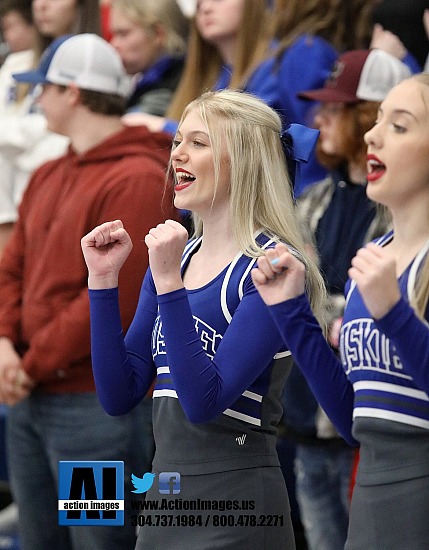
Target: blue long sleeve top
[
  {"x": 384, "y": 367},
  {"x": 219, "y": 366}
]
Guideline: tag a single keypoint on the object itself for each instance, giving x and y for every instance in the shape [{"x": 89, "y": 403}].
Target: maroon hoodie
[{"x": 44, "y": 307}]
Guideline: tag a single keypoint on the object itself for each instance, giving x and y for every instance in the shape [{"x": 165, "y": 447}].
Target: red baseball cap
[{"x": 360, "y": 75}]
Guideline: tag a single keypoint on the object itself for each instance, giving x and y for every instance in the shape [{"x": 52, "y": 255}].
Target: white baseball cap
[{"x": 86, "y": 60}]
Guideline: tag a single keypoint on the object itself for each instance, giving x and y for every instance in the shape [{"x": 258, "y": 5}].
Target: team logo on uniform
[
  {"x": 210, "y": 339},
  {"x": 365, "y": 347}
]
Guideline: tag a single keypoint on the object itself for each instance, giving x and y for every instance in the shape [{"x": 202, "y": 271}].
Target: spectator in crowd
[
  {"x": 45, "y": 362},
  {"x": 308, "y": 37},
  {"x": 16, "y": 25},
  {"x": 150, "y": 36},
  {"x": 227, "y": 42}
]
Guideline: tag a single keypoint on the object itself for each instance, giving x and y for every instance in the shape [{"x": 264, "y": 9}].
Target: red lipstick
[{"x": 376, "y": 169}]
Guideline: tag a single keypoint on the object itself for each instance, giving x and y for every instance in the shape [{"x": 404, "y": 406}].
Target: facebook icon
[{"x": 169, "y": 483}]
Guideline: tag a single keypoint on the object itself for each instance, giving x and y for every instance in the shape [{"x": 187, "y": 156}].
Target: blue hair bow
[{"x": 298, "y": 144}]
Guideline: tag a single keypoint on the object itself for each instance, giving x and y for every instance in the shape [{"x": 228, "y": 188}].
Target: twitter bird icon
[{"x": 142, "y": 484}]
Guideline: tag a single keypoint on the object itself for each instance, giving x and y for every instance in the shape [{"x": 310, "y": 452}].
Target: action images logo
[{"x": 91, "y": 493}]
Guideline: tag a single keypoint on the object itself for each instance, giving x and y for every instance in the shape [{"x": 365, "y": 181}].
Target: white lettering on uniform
[{"x": 363, "y": 346}]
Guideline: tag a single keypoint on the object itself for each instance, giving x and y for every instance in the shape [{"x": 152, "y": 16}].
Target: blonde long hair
[
  {"x": 420, "y": 300},
  {"x": 260, "y": 188},
  {"x": 203, "y": 61}
]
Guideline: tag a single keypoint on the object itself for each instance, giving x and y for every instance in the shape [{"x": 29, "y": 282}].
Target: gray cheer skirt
[
  {"x": 390, "y": 517},
  {"x": 235, "y": 510}
]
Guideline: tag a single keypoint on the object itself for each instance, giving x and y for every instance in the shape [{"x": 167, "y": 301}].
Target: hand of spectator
[
  {"x": 334, "y": 332},
  {"x": 374, "y": 271},
  {"x": 105, "y": 250},
  {"x": 279, "y": 276},
  {"x": 15, "y": 384},
  {"x": 153, "y": 122},
  {"x": 387, "y": 41},
  {"x": 166, "y": 243}
]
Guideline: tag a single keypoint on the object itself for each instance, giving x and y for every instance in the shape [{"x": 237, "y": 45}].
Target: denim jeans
[
  {"x": 322, "y": 491},
  {"x": 44, "y": 429}
]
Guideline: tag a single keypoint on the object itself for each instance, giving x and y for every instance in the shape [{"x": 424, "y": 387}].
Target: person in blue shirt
[
  {"x": 202, "y": 332},
  {"x": 377, "y": 394}
]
